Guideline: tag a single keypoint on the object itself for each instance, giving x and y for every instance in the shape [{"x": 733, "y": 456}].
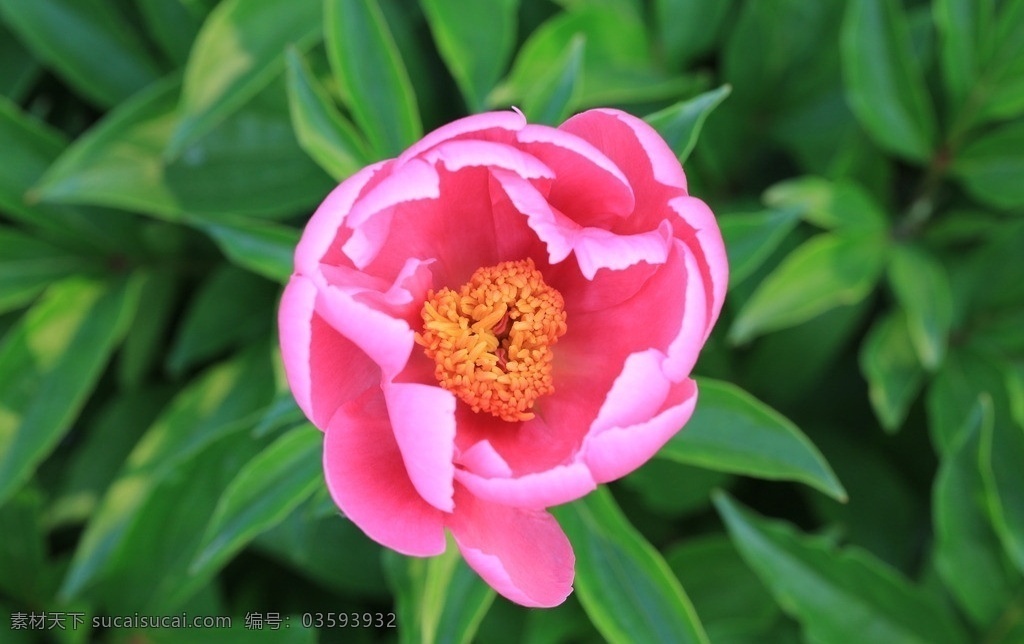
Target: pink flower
[{"x": 495, "y": 322}]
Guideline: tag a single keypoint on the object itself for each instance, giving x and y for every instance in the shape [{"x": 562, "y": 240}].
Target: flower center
[{"x": 491, "y": 340}]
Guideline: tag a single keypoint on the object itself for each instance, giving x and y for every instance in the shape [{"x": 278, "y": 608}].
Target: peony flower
[{"x": 494, "y": 323}]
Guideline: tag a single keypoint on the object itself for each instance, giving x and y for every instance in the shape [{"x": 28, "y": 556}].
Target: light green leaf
[
  {"x": 239, "y": 50},
  {"x": 251, "y": 164},
  {"x": 87, "y": 42},
  {"x": 550, "y": 100},
  {"x": 322, "y": 131},
  {"x": 263, "y": 248},
  {"x": 732, "y": 431},
  {"x": 884, "y": 86},
  {"x": 439, "y": 599},
  {"x": 967, "y": 551},
  {"x": 622, "y": 581},
  {"x": 50, "y": 362},
  {"x": 476, "y": 40},
  {"x": 834, "y": 594},
  {"x": 892, "y": 370},
  {"x": 828, "y": 204},
  {"x": 28, "y": 265},
  {"x": 680, "y": 124},
  {"x": 991, "y": 166},
  {"x": 827, "y": 271},
  {"x": 751, "y": 238},
  {"x": 263, "y": 493},
  {"x": 922, "y": 288},
  {"x": 369, "y": 68},
  {"x": 222, "y": 400},
  {"x": 230, "y": 309}
]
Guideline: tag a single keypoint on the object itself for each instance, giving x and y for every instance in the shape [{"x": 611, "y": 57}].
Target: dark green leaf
[
  {"x": 954, "y": 392},
  {"x": 922, "y": 288},
  {"x": 18, "y": 70},
  {"x": 622, "y": 581},
  {"x": 50, "y": 362},
  {"x": 834, "y": 594},
  {"x": 263, "y": 493},
  {"x": 551, "y": 99},
  {"x": 828, "y": 204},
  {"x": 680, "y": 124},
  {"x": 88, "y": 42},
  {"x": 751, "y": 238},
  {"x": 827, "y": 271},
  {"x": 28, "y": 265},
  {"x": 23, "y": 559},
  {"x": 237, "y": 53},
  {"x": 220, "y": 401},
  {"x": 263, "y": 248},
  {"x": 157, "y": 310},
  {"x": 439, "y": 599},
  {"x": 884, "y": 86},
  {"x": 691, "y": 486},
  {"x": 475, "y": 40},
  {"x": 732, "y": 431},
  {"x": 991, "y": 166},
  {"x": 322, "y": 131},
  {"x": 173, "y": 24},
  {"x": 689, "y": 28},
  {"x": 892, "y": 369},
  {"x": 251, "y": 164},
  {"x": 367, "y": 63},
  {"x": 1002, "y": 452}
]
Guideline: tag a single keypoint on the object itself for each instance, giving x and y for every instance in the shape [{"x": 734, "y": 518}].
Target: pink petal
[
  {"x": 423, "y": 420},
  {"x": 589, "y": 188},
  {"x": 523, "y": 554},
  {"x": 368, "y": 480},
  {"x": 456, "y": 155},
  {"x": 483, "y": 459},
  {"x": 618, "y": 450},
  {"x": 704, "y": 238},
  {"x": 489, "y": 124},
  {"x": 554, "y": 486},
  {"x": 326, "y": 223},
  {"x": 324, "y": 369}
]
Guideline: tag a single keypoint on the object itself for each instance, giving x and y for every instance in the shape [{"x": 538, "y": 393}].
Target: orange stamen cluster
[{"x": 491, "y": 340}]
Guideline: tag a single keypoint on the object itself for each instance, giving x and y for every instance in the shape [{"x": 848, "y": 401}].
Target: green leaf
[
  {"x": 18, "y": 69},
  {"x": 263, "y": 248},
  {"x": 921, "y": 286},
  {"x": 220, "y": 401},
  {"x": 322, "y": 131},
  {"x": 990, "y": 167},
  {"x": 144, "y": 343},
  {"x": 953, "y": 395},
  {"x": 731, "y": 431},
  {"x": 1002, "y": 452},
  {"x": 551, "y": 99},
  {"x": 751, "y": 238},
  {"x": 237, "y": 53},
  {"x": 691, "y": 486},
  {"x": 688, "y": 28},
  {"x": 892, "y": 370},
  {"x": 370, "y": 70},
  {"x": 229, "y": 310},
  {"x": 967, "y": 551},
  {"x": 834, "y": 594},
  {"x": 961, "y": 24},
  {"x": 50, "y": 362},
  {"x": 23, "y": 560},
  {"x": 680, "y": 124},
  {"x": 828, "y": 204},
  {"x": 263, "y": 493},
  {"x": 173, "y": 24},
  {"x": 622, "y": 581},
  {"x": 729, "y": 598},
  {"x": 251, "y": 164},
  {"x": 476, "y": 41},
  {"x": 28, "y": 265},
  {"x": 884, "y": 86},
  {"x": 89, "y": 43},
  {"x": 439, "y": 599},
  {"x": 827, "y": 271}
]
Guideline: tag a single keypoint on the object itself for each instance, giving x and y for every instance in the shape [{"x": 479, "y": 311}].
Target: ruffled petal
[
  {"x": 456, "y": 155},
  {"x": 486, "y": 126},
  {"x": 704, "y": 238},
  {"x": 324, "y": 369},
  {"x": 554, "y": 486},
  {"x": 423, "y": 420},
  {"x": 368, "y": 480},
  {"x": 523, "y": 554}
]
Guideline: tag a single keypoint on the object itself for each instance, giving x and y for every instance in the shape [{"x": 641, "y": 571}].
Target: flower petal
[
  {"x": 523, "y": 554},
  {"x": 554, "y": 486},
  {"x": 704, "y": 239},
  {"x": 456, "y": 155},
  {"x": 368, "y": 480},
  {"x": 423, "y": 420},
  {"x": 324, "y": 369},
  {"x": 484, "y": 126}
]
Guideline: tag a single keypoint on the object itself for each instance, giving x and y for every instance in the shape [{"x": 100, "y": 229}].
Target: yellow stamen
[{"x": 491, "y": 340}]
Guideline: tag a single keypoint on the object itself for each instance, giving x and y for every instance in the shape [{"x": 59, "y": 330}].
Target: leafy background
[{"x": 855, "y": 468}]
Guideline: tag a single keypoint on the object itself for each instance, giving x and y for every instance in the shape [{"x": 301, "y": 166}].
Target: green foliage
[{"x": 864, "y": 386}]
